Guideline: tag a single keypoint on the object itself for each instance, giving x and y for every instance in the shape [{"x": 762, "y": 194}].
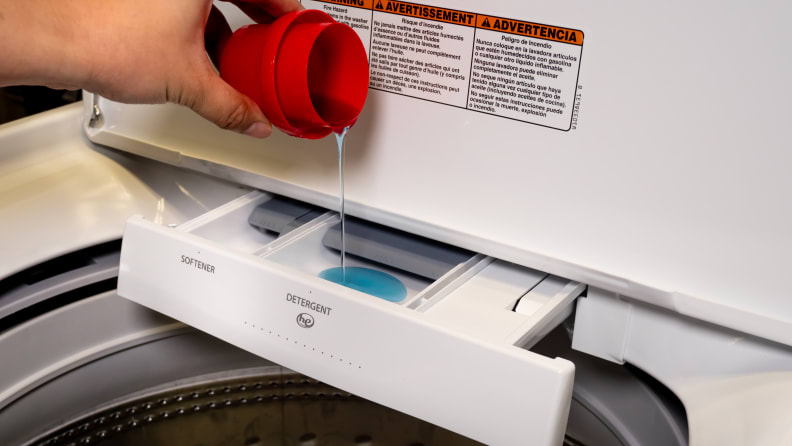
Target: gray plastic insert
[
  {"x": 396, "y": 249},
  {"x": 282, "y": 215}
]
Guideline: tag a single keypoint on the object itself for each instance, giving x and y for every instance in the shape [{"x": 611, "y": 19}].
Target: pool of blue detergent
[{"x": 366, "y": 280}]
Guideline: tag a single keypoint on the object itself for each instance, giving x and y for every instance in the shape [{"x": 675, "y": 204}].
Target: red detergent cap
[{"x": 307, "y": 72}]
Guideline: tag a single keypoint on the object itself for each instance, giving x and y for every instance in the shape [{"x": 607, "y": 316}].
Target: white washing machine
[{"x": 601, "y": 266}]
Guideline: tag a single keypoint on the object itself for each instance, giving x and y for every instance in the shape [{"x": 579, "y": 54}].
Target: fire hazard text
[{"x": 509, "y": 68}]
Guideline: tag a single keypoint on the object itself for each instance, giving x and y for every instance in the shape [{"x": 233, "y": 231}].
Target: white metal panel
[{"x": 673, "y": 189}]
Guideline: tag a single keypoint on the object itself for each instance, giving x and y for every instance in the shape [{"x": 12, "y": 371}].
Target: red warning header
[
  {"x": 426, "y": 12},
  {"x": 365, "y": 4},
  {"x": 528, "y": 29}
]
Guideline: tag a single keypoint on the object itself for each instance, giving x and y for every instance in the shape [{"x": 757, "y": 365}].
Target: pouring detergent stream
[
  {"x": 340, "y": 141},
  {"x": 309, "y": 75},
  {"x": 367, "y": 280}
]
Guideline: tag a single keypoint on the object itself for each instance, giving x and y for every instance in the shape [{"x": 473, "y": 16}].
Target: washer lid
[{"x": 672, "y": 189}]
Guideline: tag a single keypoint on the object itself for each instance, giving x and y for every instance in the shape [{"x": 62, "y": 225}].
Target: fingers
[
  {"x": 211, "y": 97},
  {"x": 265, "y": 11},
  {"x": 274, "y": 8},
  {"x": 220, "y": 103},
  {"x": 216, "y": 34},
  {"x": 255, "y": 12}
]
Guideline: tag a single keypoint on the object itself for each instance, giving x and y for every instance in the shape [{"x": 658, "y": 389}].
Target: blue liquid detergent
[
  {"x": 366, "y": 280},
  {"x": 369, "y": 281},
  {"x": 340, "y": 140}
]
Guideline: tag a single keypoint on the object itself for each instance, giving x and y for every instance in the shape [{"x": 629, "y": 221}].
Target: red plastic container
[{"x": 307, "y": 72}]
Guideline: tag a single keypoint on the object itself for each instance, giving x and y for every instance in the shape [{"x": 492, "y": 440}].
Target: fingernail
[{"x": 258, "y": 130}]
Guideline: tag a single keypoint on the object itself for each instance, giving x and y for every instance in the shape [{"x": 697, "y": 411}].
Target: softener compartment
[{"x": 427, "y": 320}]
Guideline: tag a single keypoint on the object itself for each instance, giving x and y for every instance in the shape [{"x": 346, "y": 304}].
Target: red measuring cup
[{"x": 307, "y": 72}]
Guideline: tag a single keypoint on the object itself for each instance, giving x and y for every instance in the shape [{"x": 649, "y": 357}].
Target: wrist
[{"x": 52, "y": 49}]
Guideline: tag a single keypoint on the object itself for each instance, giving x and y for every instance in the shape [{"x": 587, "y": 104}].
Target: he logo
[{"x": 305, "y": 320}]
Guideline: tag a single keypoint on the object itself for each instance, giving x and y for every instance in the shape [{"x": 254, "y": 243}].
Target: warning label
[
  {"x": 510, "y": 68},
  {"x": 355, "y": 13},
  {"x": 422, "y": 58}
]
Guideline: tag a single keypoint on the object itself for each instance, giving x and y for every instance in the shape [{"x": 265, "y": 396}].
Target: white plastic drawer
[{"x": 432, "y": 356}]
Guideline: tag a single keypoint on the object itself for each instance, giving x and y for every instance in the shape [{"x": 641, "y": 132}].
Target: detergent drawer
[{"x": 461, "y": 319}]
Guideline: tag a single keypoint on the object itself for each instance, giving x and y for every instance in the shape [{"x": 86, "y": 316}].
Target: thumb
[{"x": 229, "y": 109}]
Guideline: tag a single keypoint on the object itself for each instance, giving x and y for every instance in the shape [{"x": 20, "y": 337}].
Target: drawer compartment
[{"x": 456, "y": 324}]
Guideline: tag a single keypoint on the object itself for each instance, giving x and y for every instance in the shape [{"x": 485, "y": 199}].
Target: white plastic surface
[
  {"x": 388, "y": 353},
  {"x": 482, "y": 305},
  {"x": 673, "y": 189},
  {"x": 59, "y": 192}
]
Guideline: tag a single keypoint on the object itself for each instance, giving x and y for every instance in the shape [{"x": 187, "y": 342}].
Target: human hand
[{"x": 133, "y": 51}]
